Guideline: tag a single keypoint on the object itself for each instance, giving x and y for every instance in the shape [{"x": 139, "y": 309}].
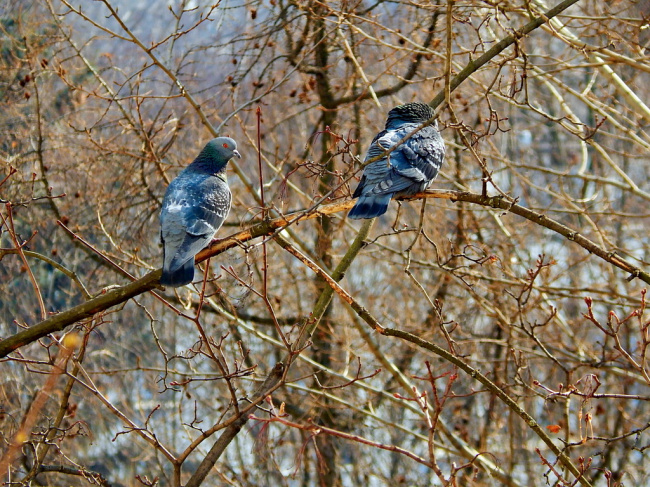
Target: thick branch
[
  {"x": 114, "y": 297},
  {"x": 541, "y": 219}
]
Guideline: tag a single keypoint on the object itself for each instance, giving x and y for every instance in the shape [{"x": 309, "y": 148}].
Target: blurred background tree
[{"x": 516, "y": 350}]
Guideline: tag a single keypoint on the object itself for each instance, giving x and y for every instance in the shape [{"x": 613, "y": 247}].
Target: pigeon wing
[
  {"x": 411, "y": 166},
  {"x": 191, "y": 216},
  {"x": 417, "y": 162},
  {"x": 377, "y": 172}
]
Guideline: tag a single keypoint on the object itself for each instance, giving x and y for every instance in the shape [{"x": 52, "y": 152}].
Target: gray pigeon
[
  {"x": 195, "y": 205},
  {"x": 407, "y": 170}
]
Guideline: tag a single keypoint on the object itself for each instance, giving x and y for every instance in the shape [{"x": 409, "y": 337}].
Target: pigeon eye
[{"x": 225, "y": 145}]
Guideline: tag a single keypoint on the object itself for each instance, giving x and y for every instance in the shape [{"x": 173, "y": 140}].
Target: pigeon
[
  {"x": 408, "y": 169},
  {"x": 195, "y": 206}
]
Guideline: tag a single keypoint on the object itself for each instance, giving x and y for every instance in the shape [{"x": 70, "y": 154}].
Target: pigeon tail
[
  {"x": 179, "y": 277},
  {"x": 370, "y": 206}
]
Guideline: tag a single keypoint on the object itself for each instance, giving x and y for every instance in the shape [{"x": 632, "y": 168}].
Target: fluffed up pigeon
[
  {"x": 195, "y": 206},
  {"x": 408, "y": 169}
]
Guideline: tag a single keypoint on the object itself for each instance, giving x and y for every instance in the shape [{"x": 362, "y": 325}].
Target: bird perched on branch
[
  {"x": 408, "y": 169},
  {"x": 195, "y": 205}
]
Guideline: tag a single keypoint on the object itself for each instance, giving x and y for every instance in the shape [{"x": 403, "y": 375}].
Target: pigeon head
[
  {"x": 222, "y": 148},
  {"x": 409, "y": 113},
  {"x": 216, "y": 154}
]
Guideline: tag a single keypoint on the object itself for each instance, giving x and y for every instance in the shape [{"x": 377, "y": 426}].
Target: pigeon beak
[{"x": 236, "y": 152}]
